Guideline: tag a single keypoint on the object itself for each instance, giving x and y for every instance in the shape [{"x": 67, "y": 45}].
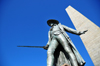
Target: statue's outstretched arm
[{"x": 73, "y": 31}]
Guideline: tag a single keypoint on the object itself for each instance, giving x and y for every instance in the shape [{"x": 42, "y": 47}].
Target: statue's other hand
[{"x": 45, "y": 47}]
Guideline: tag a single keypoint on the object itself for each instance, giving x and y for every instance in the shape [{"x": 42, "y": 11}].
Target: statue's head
[{"x": 51, "y": 22}]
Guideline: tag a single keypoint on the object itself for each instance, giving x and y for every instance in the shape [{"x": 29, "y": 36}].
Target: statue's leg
[
  {"x": 67, "y": 49},
  {"x": 50, "y": 58}
]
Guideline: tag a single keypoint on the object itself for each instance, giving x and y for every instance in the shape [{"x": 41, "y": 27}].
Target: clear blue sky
[{"x": 24, "y": 22}]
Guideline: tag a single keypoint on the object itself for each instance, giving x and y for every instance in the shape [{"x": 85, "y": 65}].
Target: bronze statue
[{"x": 57, "y": 35}]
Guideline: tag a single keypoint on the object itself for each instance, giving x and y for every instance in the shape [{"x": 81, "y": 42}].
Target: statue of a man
[{"x": 57, "y": 35}]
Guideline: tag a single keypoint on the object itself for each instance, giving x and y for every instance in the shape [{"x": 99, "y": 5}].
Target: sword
[{"x": 32, "y": 46}]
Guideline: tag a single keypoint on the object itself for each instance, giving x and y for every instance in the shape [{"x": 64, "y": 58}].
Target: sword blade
[{"x": 32, "y": 46}]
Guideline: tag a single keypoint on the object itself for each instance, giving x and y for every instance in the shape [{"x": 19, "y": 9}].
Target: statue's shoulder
[{"x": 59, "y": 24}]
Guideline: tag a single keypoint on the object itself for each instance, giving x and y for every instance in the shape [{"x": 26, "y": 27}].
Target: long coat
[
  {"x": 79, "y": 58},
  {"x": 63, "y": 28}
]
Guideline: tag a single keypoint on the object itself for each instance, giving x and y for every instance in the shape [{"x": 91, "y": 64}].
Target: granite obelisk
[{"x": 91, "y": 39}]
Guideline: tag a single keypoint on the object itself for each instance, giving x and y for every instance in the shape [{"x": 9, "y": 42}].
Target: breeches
[{"x": 56, "y": 40}]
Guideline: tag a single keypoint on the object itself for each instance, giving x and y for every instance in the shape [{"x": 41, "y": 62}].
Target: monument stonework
[{"x": 91, "y": 39}]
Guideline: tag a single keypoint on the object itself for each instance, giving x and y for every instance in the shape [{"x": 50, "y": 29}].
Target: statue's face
[{"x": 51, "y": 24}]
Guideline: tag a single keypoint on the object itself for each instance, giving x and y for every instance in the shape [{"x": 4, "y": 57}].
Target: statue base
[{"x": 65, "y": 65}]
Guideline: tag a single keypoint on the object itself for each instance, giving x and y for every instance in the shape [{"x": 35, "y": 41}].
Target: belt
[{"x": 56, "y": 34}]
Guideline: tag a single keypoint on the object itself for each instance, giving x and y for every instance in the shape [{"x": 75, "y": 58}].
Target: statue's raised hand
[{"x": 83, "y": 32}]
